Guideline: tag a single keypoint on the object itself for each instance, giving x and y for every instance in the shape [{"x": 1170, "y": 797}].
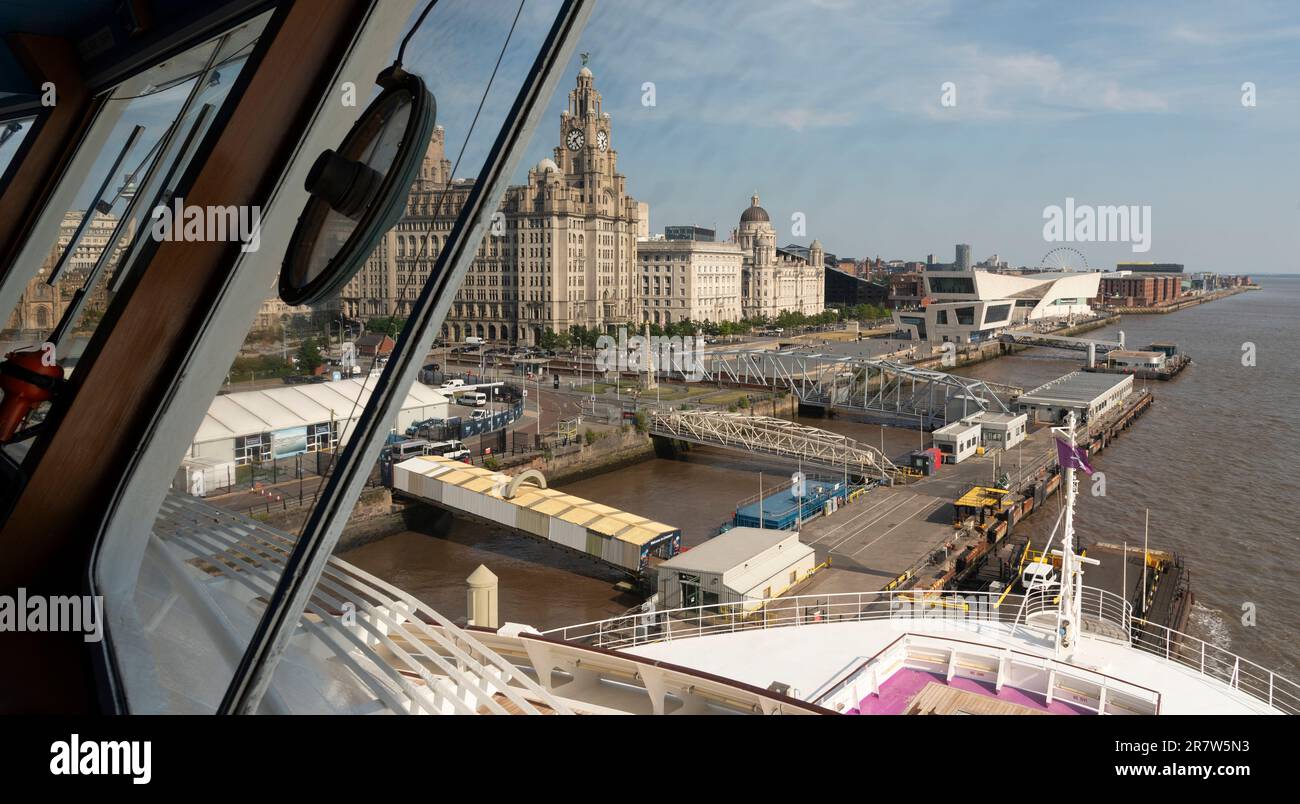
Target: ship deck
[{"x": 810, "y": 658}]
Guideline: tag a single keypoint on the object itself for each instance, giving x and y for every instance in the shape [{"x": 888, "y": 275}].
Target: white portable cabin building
[
  {"x": 960, "y": 440},
  {"x": 1001, "y": 430},
  {"x": 743, "y": 566},
  {"x": 1135, "y": 360},
  {"x": 1086, "y": 394}
]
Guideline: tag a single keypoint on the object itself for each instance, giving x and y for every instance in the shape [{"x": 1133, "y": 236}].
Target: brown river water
[{"x": 1214, "y": 460}]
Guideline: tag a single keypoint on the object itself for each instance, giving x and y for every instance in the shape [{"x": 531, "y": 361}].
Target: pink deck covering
[{"x": 897, "y": 692}]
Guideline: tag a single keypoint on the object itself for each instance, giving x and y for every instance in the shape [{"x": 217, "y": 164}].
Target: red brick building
[
  {"x": 906, "y": 290},
  {"x": 1138, "y": 291}
]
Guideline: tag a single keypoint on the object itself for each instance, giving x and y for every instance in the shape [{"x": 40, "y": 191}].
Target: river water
[{"x": 1214, "y": 460}]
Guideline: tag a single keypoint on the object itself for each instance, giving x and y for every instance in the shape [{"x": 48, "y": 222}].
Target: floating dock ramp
[{"x": 524, "y": 504}]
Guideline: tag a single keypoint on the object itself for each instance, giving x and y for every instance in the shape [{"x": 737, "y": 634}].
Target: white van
[
  {"x": 454, "y": 450},
  {"x": 410, "y": 448},
  {"x": 473, "y": 341},
  {"x": 475, "y": 399},
  {"x": 450, "y": 384}
]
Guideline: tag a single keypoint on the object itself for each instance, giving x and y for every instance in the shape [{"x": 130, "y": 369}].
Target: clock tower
[
  {"x": 594, "y": 284},
  {"x": 585, "y": 149}
]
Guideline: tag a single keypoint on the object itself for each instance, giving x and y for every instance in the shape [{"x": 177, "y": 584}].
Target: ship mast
[
  {"x": 1071, "y": 576},
  {"x": 1069, "y": 621}
]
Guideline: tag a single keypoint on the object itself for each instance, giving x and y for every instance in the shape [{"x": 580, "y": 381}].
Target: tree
[
  {"x": 581, "y": 336},
  {"x": 389, "y": 324},
  {"x": 309, "y": 356},
  {"x": 553, "y": 341}
]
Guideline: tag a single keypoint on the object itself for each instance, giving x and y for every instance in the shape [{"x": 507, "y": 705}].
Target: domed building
[{"x": 774, "y": 280}]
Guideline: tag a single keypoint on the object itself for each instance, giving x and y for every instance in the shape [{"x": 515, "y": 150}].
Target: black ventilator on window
[{"x": 359, "y": 190}]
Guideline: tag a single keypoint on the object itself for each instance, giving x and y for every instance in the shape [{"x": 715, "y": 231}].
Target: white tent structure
[{"x": 276, "y": 422}]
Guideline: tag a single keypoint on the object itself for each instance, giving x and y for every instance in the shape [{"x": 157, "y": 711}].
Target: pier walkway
[
  {"x": 889, "y": 532},
  {"x": 883, "y": 389}
]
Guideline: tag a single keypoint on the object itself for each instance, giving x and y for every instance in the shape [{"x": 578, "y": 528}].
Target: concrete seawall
[{"x": 374, "y": 517}]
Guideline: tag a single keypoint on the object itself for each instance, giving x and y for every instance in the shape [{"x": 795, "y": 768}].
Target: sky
[{"x": 834, "y": 110}]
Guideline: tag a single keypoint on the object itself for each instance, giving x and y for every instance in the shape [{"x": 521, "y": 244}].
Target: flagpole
[
  {"x": 1123, "y": 584},
  {"x": 1146, "y": 526}
]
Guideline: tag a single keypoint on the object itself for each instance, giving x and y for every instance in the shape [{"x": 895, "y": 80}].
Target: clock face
[
  {"x": 602, "y": 141},
  {"x": 575, "y": 139}
]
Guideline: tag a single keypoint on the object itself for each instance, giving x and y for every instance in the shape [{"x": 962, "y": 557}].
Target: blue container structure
[{"x": 781, "y": 510}]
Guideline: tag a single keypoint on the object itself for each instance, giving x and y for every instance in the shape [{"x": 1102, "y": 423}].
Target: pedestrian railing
[{"x": 1105, "y": 616}]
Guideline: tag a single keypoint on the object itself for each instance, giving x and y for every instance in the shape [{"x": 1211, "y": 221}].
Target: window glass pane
[
  {"x": 73, "y": 282},
  {"x": 12, "y": 134},
  {"x": 293, "y": 394}
]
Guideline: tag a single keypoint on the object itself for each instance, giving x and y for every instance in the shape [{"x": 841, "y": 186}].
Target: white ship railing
[
  {"x": 1212, "y": 661},
  {"x": 631, "y": 630},
  {"x": 1106, "y": 616},
  {"x": 1056, "y": 680}
]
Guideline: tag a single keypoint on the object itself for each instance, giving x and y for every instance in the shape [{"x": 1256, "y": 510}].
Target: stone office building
[{"x": 562, "y": 252}]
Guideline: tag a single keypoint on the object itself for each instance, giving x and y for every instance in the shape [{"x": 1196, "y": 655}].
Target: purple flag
[{"x": 1072, "y": 457}]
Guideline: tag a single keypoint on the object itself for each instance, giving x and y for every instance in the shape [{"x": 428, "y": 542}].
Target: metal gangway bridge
[
  {"x": 897, "y": 393},
  {"x": 1093, "y": 346},
  {"x": 764, "y": 435}
]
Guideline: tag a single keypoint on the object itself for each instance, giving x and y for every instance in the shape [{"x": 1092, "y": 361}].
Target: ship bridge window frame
[
  {"x": 12, "y": 151},
  {"x": 123, "y": 537}
]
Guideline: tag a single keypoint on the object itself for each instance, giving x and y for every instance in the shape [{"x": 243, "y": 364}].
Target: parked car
[
  {"x": 419, "y": 425},
  {"x": 479, "y": 414}
]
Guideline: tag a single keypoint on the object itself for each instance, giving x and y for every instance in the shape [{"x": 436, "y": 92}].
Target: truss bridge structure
[{"x": 779, "y": 438}]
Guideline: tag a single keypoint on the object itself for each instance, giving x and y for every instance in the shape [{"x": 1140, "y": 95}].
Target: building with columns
[
  {"x": 561, "y": 253},
  {"x": 696, "y": 280},
  {"x": 775, "y": 280},
  {"x": 42, "y": 305}
]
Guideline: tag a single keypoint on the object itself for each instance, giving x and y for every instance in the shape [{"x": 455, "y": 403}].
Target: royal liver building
[{"x": 563, "y": 252}]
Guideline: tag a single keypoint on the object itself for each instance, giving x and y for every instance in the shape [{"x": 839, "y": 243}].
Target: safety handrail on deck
[{"x": 1099, "y": 606}]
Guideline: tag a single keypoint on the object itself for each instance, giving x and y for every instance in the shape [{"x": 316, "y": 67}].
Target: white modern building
[
  {"x": 689, "y": 279},
  {"x": 744, "y": 566},
  {"x": 973, "y": 306}
]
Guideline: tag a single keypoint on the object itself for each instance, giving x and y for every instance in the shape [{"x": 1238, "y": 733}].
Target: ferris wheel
[{"x": 1063, "y": 258}]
